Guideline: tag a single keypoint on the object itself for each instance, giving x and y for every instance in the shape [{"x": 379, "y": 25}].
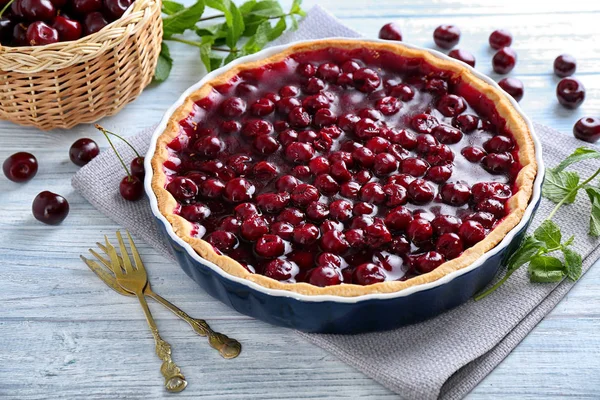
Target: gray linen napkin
[{"x": 444, "y": 357}]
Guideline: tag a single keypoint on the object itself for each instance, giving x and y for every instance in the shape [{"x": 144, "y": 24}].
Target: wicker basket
[{"x": 65, "y": 84}]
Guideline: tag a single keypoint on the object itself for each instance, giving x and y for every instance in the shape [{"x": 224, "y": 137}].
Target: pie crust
[{"x": 516, "y": 204}]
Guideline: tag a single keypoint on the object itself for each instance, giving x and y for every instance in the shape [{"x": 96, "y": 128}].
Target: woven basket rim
[{"x": 30, "y": 59}]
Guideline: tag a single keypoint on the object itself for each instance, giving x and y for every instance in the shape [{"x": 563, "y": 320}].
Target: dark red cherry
[
  {"x": 233, "y": 107},
  {"x": 445, "y": 224},
  {"x": 398, "y": 218},
  {"x": 449, "y": 245},
  {"x": 7, "y": 24},
  {"x": 500, "y": 38},
  {"x": 439, "y": 173},
  {"x": 455, "y": 194},
  {"x": 499, "y": 144},
  {"x": 451, "y": 105},
  {"x": 447, "y": 134},
  {"x": 427, "y": 262},
  {"x": 304, "y": 194},
  {"x": 280, "y": 270},
  {"x": 306, "y": 234},
  {"x": 565, "y": 65},
  {"x": 465, "y": 122},
  {"x": 570, "y": 93},
  {"x": 132, "y": 188},
  {"x": 366, "y": 80},
  {"x": 420, "y": 191},
  {"x": 512, "y": 86},
  {"x": 83, "y": 151},
  {"x": 222, "y": 240},
  {"x": 195, "y": 212},
  {"x": 587, "y": 129},
  {"x": 40, "y": 34},
  {"x": 38, "y": 10},
  {"x": 402, "y": 91},
  {"x": 446, "y": 36},
  {"x": 20, "y": 167},
  {"x": 254, "y": 227},
  {"x": 368, "y": 274},
  {"x": 93, "y": 22},
  {"x": 68, "y": 29},
  {"x": 464, "y": 56},
  {"x": 497, "y": 163},
  {"x": 473, "y": 153},
  {"x": 390, "y": 31},
  {"x": 239, "y": 190},
  {"x": 419, "y": 230},
  {"x": 504, "y": 60},
  {"x": 85, "y": 7},
  {"x": 50, "y": 208},
  {"x": 334, "y": 242},
  {"x": 137, "y": 167},
  {"x": 471, "y": 232},
  {"x": 325, "y": 275},
  {"x": 384, "y": 164},
  {"x": 269, "y": 246},
  {"x": 117, "y": 8},
  {"x": 182, "y": 188}
]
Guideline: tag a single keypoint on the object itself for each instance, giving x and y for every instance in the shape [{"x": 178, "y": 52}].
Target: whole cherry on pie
[{"x": 336, "y": 166}]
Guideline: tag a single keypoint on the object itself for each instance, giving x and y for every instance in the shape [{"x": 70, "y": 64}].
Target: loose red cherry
[
  {"x": 512, "y": 86},
  {"x": 83, "y": 151},
  {"x": 93, "y": 22},
  {"x": 464, "y": 56},
  {"x": 446, "y": 36},
  {"x": 68, "y": 29},
  {"x": 570, "y": 93},
  {"x": 20, "y": 167},
  {"x": 587, "y": 129},
  {"x": 131, "y": 188},
  {"x": 40, "y": 34},
  {"x": 390, "y": 31},
  {"x": 137, "y": 167},
  {"x": 20, "y": 34},
  {"x": 50, "y": 208},
  {"x": 565, "y": 65},
  {"x": 325, "y": 275},
  {"x": 37, "y": 10},
  {"x": 500, "y": 38},
  {"x": 504, "y": 60},
  {"x": 117, "y": 8}
]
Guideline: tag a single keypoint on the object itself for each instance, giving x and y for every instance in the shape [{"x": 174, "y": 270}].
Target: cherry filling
[{"x": 342, "y": 166}]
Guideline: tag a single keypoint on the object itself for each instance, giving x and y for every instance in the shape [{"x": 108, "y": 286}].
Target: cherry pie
[{"x": 344, "y": 167}]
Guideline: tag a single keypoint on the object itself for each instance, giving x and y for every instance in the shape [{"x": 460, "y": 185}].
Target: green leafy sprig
[
  {"x": 541, "y": 249},
  {"x": 238, "y": 31}
]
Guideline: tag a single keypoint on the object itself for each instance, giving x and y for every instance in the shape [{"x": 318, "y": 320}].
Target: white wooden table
[{"x": 63, "y": 334}]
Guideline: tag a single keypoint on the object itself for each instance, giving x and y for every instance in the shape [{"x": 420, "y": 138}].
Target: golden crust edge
[{"x": 517, "y": 203}]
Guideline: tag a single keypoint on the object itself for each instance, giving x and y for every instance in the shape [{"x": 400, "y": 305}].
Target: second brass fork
[{"x": 135, "y": 280}]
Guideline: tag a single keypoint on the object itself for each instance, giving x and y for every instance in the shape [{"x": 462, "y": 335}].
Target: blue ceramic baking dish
[{"x": 336, "y": 314}]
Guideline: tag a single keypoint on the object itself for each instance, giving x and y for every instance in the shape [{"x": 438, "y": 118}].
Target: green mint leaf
[
  {"x": 259, "y": 39},
  {"x": 247, "y": 7},
  {"x": 573, "y": 263},
  {"x": 549, "y": 233},
  {"x": 215, "y": 62},
  {"x": 594, "y": 195},
  {"x": 251, "y": 24},
  {"x": 528, "y": 249},
  {"x": 163, "y": 65},
  {"x": 206, "y": 52},
  {"x": 297, "y": 8},
  {"x": 582, "y": 153},
  {"x": 171, "y": 7},
  {"x": 267, "y": 8},
  {"x": 278, "y": 29},
  {"x": 212, "y": 30},
  {"x": 543, "y": 269},
  {"x": 560, "y": 185},
  {"x": 294, "y": 22},
  {"x": 569, "y": 241},
  {"x": 233, "y": 18},
  {"x": 183, "y": 20}
]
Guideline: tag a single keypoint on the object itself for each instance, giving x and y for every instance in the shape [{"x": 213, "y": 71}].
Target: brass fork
[
  {"x": 134, "y": 280},
  {"x": 226, "y": 346}
]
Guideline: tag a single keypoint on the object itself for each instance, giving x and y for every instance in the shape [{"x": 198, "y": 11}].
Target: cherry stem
[
  {"x": 6, "y": 7},
  {"x": 120, "y": 137},
  {"x": 105, "y": 132}
]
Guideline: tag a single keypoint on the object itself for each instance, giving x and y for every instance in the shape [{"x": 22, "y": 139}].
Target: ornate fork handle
[
  {"x": 226, "y": 346},
  {"x": 174, "y": 379}
]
